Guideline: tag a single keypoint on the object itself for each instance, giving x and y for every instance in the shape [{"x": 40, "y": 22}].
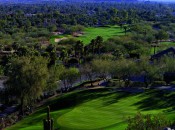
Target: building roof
[{"x": 162, "y": 53}]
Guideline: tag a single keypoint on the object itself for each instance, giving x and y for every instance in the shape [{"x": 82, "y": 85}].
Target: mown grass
[
  {"x": 105, "y": 32},
  {"x": 99, "y": 109},
  {"x": 92, "y": 32}
]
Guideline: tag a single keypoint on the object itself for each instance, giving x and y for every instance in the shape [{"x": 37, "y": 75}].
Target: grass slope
[
  {"x": 99, "y": 109},
  {"x": 92, "y": 32}
]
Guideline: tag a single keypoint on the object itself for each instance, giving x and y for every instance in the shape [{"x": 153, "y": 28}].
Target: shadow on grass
[
  {"x": 150, "y": 100},
  {"x": 115, "y": 98},
  {"x": 73, "y": 99},
  {"x": 156, "y": 99}
]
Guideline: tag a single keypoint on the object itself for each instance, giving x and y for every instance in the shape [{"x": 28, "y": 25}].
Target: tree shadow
[
  {"x": 114, "y": 99},
  {"x": 156, "y": 99},
  {"x": 76, "y": 98}
]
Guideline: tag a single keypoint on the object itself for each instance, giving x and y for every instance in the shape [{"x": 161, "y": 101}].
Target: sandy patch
[{"x": 60, "y": 39}]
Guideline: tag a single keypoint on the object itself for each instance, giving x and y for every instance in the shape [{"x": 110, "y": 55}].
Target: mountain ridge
[{"x": 38, "y": 1}]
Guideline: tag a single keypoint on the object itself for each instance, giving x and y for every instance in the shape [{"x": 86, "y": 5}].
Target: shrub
[
  {"x": 116, "y": 83},
  {"x": 138, "y": 84},
  {"x": 158, "y": 83},
  {"x": 172, "y": 83},
  {"x": 148, "y": 122}
]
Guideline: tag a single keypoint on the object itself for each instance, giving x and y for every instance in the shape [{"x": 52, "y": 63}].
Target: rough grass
[
  {"x": 92, "y": 32},
  {"x": 99, "y": 109}
]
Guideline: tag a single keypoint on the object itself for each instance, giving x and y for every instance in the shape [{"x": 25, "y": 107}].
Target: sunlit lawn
[{"x": 105, "y": 32}]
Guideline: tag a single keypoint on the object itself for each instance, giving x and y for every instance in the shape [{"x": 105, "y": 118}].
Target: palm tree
[
  {"x": 125, "y": 28},
  {"x": 98, "y": 42},
  {"x": 92, "y": 45},
  {"x": 78, "y": 49}
]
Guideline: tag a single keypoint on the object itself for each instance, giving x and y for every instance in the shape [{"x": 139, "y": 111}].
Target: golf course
[
  {"x": 90, "y": 33},
  {"x": 96, "y": 109}
]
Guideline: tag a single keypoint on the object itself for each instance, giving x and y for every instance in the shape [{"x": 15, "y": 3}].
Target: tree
[
  {"x": 51, "y": 49},
  {"x": 52, "y": 28},
  {"x": 132, "y": 47},
  {"x": 161, "y": 35},
  {"x": 78, "y": 49},
  {"x": 118, "y": 53},
  {"x": 25, "y": 51},
  {"x": 27, "y": 78},
  {"x": 54, "y": 77},
  {"x": 168, "y": 64},
  {"x": 68, "y": 76},
  {"x": 92, "y": 46},
  {"x": 73, "y": 74},
  {"x": 152, "y": 71},
  {"x": 125, "y": 28},
  {"x": 102, "y": 67},
  {"x": 88, "y": 72},
  {"x": 123, "y": 69},
  {"x": 98, "y": 42}
]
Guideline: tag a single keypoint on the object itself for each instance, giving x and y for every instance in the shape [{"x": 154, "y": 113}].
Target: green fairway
[
  {"x": 105, "y": 32},
  {"x": 167, "y": 43},
  {"x": 99, "y": 109},
  {"x": 92, "y": 32}
]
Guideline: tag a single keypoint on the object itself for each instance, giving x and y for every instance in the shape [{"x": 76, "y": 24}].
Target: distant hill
[
  {"x": 39, "y": 1},
  {"x": 104, "y": 0},
  {"x": 26, "y": 1}
]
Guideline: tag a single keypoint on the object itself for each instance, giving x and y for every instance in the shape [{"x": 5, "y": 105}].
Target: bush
[
  {"x": 116, "y": 83},
  {"x": 138, "y": 84},
  {"x": 158, "y": 83},
  {"x": 172, "y": 83},
  {"x": 148, "y": 122}
]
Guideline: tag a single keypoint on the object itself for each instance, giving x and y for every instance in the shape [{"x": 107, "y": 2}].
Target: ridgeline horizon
[{"x": 39, "y": 1}]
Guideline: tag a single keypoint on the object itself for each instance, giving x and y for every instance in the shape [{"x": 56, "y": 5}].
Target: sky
[{"x": 163, "y": 0}]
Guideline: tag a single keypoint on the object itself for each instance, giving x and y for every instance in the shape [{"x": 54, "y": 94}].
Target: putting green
[{"x": 99, "y": 109}]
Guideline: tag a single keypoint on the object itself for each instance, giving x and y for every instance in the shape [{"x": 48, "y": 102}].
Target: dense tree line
[
  {"x": 33, "y": 23},
  {"x": 89, "y": 14}
]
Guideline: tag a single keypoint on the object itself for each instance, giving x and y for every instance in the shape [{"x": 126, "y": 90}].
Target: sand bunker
[{"x": 60, "y": 39}]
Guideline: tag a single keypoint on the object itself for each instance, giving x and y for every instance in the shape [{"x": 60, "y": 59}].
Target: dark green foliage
[
  {"x": 172, "y": 83},
  {"x": 116, "y": 83},
  {"x": 27, "y": 78},
  {"x": 148, "y": 122},
  {"x": 158, "y": 83},
  {"x": 137, "y": 84}
]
